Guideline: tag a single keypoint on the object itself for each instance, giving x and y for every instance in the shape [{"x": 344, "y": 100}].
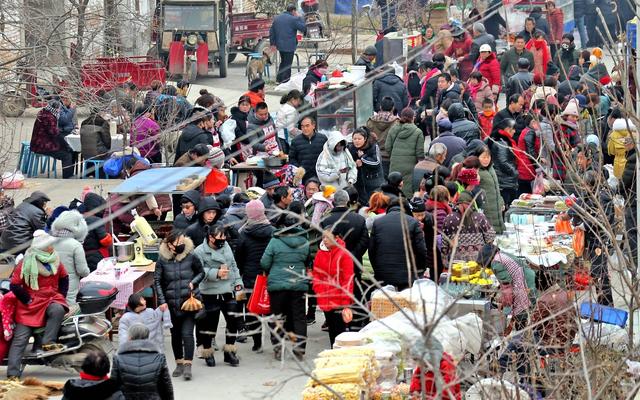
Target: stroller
[{"x": 313, "y": 20}]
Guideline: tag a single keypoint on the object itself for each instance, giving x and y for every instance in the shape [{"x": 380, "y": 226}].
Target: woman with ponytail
[
  {"x": 465, "y": 230},
  {"x": 287, "y": 118}
]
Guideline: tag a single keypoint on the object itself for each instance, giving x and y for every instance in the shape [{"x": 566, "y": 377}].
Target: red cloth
[
  {"x": 44, "y": 136},
  {"x": 556, "y": 25},
  {"x": 333, "y": 277},
  {"x": 451, "y": 388},
  {"x": 254, "y": 97},
  {"x": 8, "y": 305},
  {"x": 462, "y": 49},
  {"x": 88, "y": 377},
  {"x": 526, "y": 167},
  {"x": 34, "y": 313},
  {"x": 486, "y": 123},
  {"x": 490, "y": 69},
  {"x": 541, "y": 56}
]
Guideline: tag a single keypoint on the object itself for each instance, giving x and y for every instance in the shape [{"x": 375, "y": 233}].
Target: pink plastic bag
[{"x": 538, "y": 184}]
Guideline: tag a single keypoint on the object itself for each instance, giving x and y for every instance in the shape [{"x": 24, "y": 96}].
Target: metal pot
[
  {"x": 273, "y": 162},
  {"x": 124, "y": 251}
]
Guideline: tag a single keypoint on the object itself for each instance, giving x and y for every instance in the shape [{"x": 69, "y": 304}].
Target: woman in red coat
[
  {"x": 555, "y": 16},
  {"x": 40, "y": 283},
  {"x": 541, "y": 54},
  {"x": 333, "y": 281},
  {"x": 489, "y": 67},
  {"x": 459, "y": 50}
]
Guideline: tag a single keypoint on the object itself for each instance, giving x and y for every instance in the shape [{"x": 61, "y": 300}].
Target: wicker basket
[{"x": 382, "y": 306}]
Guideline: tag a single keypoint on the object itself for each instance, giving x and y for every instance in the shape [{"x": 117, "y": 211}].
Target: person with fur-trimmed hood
[
  {"x": 70, "y": 229},
  {"x": 178, "y": 274}
]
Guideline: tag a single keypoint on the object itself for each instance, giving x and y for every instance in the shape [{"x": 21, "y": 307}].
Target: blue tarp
[
  {"x": 343, "y": 7},
  {"x": 159, "y": 180}
]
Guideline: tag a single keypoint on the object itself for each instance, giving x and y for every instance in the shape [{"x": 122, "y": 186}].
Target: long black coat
[
  {"x": 251, "y": 245},
  {"x": 82, "y": 389},
  {"x": 173, "y": 275},
  {"x": 23, "y": 222},
  {"x": 142, "y": 372},
  {"x": 504, "y": 161},
  {"x": 304, "y": 152},
  {"x": 386, "y": 248},
  {"x": 357, "y": 240},
  {"x": 192, "y": 135}
]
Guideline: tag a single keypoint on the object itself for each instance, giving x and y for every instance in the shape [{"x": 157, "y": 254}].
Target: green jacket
[
  {"x": 501, "y": 272},
  {"x": 211, "y": 260},
  {"x": 509, "y": 62},
  {"x": 405, "y": 145},
  {"x": 565, "y": 59},
  {"x": 493, "y": 204},
  {"x": 286, "y": 259}
]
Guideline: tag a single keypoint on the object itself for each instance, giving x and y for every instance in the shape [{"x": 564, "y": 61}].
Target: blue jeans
[{"x": 582, "y": 31}]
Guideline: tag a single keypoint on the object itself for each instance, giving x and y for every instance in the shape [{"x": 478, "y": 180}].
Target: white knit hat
[
  {"x": 42, "y": 240},
  {"x": 216, "y": 156},
  {"x": 571, "y": 108},
  {"x": 622, "y": 124}
]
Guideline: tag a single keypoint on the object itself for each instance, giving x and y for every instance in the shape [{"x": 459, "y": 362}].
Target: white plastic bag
[
  {"x": 461, "y": 335},
  {"x": 228, "y": 132},
  {"x": 12, "y": 180},
  {"x": 494, "y": 389}
]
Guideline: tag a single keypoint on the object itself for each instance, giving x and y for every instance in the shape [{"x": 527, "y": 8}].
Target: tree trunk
[
  {"x": 78, "y": 52},
  {"x": 111, "y": 28},
  {"x": 354, "y": 27}
]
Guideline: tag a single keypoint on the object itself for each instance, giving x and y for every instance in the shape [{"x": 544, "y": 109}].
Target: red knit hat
[{"x": 605, "y": 80}]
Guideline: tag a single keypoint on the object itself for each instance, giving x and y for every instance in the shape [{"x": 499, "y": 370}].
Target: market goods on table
[{"x": 385, "y": 301}]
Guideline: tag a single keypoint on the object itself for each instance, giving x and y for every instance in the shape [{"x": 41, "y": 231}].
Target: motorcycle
[
  {"x": 190, "y": 45},
  {"x": 81, "y": 332}
]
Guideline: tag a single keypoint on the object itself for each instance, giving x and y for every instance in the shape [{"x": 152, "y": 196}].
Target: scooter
[{"x": 84, "y": 331}]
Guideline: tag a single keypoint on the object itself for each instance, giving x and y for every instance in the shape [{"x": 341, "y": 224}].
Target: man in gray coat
[
  {"x": 283, "y": 37},
  {"x": 480, "y": 37}
]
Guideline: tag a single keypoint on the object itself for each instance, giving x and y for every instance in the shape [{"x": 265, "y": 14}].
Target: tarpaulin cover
[
  {"x": 343, "y": 7},
  {"x": 159, "y": 180}
]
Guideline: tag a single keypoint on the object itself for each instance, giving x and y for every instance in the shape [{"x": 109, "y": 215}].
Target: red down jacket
[{"x": 451, "y": 389}]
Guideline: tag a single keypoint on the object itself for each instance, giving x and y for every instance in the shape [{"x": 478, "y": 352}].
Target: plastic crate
[{"x": 604, "y": 314}]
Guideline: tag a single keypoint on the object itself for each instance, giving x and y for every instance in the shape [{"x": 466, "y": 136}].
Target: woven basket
[{"x": 381, "y": 306}]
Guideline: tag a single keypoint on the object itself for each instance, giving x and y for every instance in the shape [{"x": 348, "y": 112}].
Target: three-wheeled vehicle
[{"x": 191, "y": 35}]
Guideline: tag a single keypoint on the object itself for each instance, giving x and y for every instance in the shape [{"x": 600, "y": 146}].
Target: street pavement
[{"x": 259, "y": 375}]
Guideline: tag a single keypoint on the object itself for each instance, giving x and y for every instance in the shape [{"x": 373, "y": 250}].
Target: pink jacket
[{"x": 144, "y": 136}]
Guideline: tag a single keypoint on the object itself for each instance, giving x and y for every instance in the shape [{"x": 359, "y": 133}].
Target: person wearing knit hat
[
  {"x": 216, "y": 157},
  {"x": 621, "y": 131},
  {"x": 254, "y": 238},
  {"x": 571, "y": 109},
  {"x": 40, "y": 283},
  {"x": 569, "y": 138},
  {"x": 469, "y": 177},
  {"x": 469, "y": 230}
]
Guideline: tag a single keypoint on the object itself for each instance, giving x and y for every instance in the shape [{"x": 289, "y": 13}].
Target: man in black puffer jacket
[
  {"x": 194, "y": 133},
  {"x": 504, "y": 159},
  {"x": 140, "y": 370},
  {"x": 306, "y": 148},
  {"x": 208, "y": 214},
  {"x": 386, "y": 247},
  {"x": 460, "y": 125},
  {"x": 25, "y": 219},
  {"x": 389, "y": 84},
  {"x": 356, "y": 239},
  {"x": 255, "y": 235},
  {"x": 189, "y": 204}
]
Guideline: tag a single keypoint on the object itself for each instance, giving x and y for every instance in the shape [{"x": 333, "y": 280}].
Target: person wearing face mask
[
  {"x": 365, "y": 151},
  {"x": 567, "y": 57},
  {"x": 195, "y": 132},
  {"x": 178, "y": 274},
  {"x": 40, "y": 283},
  {"x": 314, "y": 76},
  {"x": 221, "y": 284}
]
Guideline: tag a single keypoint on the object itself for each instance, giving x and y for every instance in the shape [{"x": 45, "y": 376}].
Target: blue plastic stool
[
  {"x": 39, "y": 164},
  {"x": 96, "y": 164},
  {"x": 258, "y": 56},
  {"x": 25, "y": 156}
]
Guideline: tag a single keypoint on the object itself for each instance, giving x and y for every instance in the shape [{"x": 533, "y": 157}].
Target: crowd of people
[{"x": 374, "y": 200}]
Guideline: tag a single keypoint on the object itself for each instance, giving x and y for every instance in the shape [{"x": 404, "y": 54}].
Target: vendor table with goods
[
  {"x": 73, "y": 140},
  {"x": 127, "y": 280},
  {"x": 254, "y": 166}
]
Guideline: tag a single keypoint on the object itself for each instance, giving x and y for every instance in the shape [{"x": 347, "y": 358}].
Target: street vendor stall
[{"x": 343, "y": 108}]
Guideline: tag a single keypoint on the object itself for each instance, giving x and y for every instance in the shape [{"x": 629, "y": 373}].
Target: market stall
[{"x": 343, "y": 107}]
